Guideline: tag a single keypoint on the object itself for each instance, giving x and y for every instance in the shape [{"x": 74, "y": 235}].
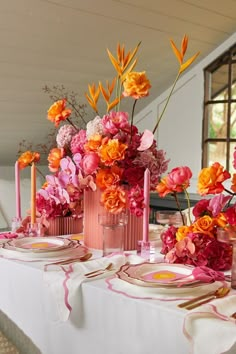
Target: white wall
[
  {"x": 179, "y": 133},
  {"x": 180, "y": 130}
]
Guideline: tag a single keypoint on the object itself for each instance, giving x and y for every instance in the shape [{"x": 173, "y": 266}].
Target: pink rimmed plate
[
  {"x": 39, "y": 244},
  {"x": 162, "y": 273},
  {"x": 161, "y": 286}
]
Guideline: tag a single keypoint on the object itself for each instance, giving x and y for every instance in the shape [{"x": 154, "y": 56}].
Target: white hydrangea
[{"x": 94, "y": 127}]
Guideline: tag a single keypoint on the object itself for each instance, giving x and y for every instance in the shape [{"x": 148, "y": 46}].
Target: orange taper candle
[{"x": 33, "y": 193}]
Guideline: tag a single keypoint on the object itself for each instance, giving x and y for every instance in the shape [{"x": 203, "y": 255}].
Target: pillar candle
[
  {"x": 17, "y": 190},
  {"x": 146, "y": 205},
  {"x": 33, "y": 193}
]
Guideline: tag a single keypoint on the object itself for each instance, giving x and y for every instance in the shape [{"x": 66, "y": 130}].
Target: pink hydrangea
[
  {"x": 78, "y": 141},
  {"x": 64, "y": 135}
]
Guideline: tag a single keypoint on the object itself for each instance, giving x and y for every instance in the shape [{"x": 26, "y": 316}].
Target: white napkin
[
  {"x": 210, "y": 328},
  {"x": 64, "y": 281}
]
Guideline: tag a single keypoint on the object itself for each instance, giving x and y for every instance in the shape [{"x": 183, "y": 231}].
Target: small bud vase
[
  {"x": 65, "y": 225},
  {"x": 93, "y": 231}
]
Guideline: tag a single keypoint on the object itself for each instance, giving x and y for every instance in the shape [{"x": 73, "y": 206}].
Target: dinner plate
[
  {"x": 161, "y": 287},
  {"x": 12, "y": 253},
  {"x": 162, "y": 274},
  {"x": 39, "y": 244}
]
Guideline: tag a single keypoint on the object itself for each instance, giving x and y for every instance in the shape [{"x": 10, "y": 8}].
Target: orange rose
[
  {"x": 204, "y": 225},
  {"x": 211, "y": 178},
  {"x": 112, "y": 150},
  {"x": 136, "y": 85},
  {"x": 58, "y": 112},
  {"x": 183, "y": 232},
  {"x": 221, "y": 220},
  {"x": 162, "y": 188},
  {"x": 108, "y": 177},
  {"x": 233, "y": 186},
  {"x": 93, "y": 143},
  {"x": 27, "y": 158},
  {"x": 114, "y": 199},
  {"x": 54, "y": 159}
]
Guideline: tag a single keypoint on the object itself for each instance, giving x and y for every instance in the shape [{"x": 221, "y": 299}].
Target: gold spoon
[
  {"x": 83, "y": 258},
  {"x": 98, "y": 271},
  {"x": 220, "y": 292}
]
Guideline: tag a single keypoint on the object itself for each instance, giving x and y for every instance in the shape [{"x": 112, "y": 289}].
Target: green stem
[
  {"x": 38, "y": 170},
  {"x": 167, "y": 101},
  {"x": 178, "y": 206},
  {"x": 132, "y": 120},
  {"x": 189, "y": 206}
]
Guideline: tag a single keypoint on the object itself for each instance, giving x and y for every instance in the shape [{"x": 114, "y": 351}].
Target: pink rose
[
  {"x": 90, "y": 162},
  {"x": 179, "y": 178}
]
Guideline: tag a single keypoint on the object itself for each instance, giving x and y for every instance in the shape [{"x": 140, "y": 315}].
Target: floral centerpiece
[
  {"x": 196, "y": 243},
  {"x": 110, "y": 155}
]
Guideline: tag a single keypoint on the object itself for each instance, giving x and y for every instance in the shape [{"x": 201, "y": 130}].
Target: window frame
[{"x": 227, "y": 58}]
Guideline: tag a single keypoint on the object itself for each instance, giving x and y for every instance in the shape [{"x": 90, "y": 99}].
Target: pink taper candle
[
  {"x": 33, "y": 193},
  {"x": 146, "y": 205},
  {"x": 17, "y": 190}
]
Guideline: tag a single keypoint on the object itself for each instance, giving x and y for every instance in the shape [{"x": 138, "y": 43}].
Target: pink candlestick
[
  {"x": 146, "y": 205},
  {"x": 33, "y": 193},
  {"x": 17, "y": 190}
]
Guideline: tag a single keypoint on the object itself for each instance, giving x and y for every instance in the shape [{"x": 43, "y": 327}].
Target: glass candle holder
[
  {"x": 34, "y": 229},
  {"x": 15, "y": 224},
  {"x": 229, "y": 236},
  {"x": 113, "y": 232}
]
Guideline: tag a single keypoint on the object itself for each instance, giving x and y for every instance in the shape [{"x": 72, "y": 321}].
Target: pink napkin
[{"x": 207, "y": 275}]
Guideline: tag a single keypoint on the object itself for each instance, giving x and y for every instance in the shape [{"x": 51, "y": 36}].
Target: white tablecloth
[{"x": 110, "y": 323}]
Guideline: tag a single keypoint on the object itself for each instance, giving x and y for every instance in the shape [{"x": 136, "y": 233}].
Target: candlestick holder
[
  {"x": 34, "y": 229},
  {"x": 16, "y": 224}
]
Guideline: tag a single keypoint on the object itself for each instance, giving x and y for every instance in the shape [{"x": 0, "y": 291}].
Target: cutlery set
[{"x": 203, "y": 299}]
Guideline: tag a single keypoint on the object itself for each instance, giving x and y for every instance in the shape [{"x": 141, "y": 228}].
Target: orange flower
[
  {"x": 183, "y": 232},
  {"x": 114, "y": 199},
  {"x": 221, "y": 220},
  {"x": 204, "y": 225},
  {"x": 136, "y": 85},
  {"x": 27, "y": 158},
  {"x": 54, "y": 159},
  {"x": 93, "y": 143},
  {"x": 162, "y": 188},
  {"x": 180, "y": 54},
  {"x": 93, "y": 96},
  {"x": 233, "y": 186},
  {"x": 58, "y": 112},
  {"x": 108, "y": 177},
  {"x": 112, "y": 150},
  {"x": 211, "y": 178}
]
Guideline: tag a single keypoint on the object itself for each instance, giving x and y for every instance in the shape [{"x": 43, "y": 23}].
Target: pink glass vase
[
  {"x": 65, "y": 225},
  {"x": 229, "y": 236},
  {"x": 93, "y": 232}
]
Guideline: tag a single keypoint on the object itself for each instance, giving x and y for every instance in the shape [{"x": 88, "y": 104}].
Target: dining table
[{"x": 104, "y": 318}]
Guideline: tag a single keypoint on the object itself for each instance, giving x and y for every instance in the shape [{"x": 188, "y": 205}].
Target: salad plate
[{"x": 39, "y": 244}]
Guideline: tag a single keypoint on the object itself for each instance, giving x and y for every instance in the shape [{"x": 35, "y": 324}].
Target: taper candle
[
  {"x": 17, "y": 190},
  {"x": 146, "y": 192},
  {"x": 33, "y": 193}
]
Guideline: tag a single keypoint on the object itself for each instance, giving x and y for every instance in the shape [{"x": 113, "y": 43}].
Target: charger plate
[{"x": 163, "y": 270}]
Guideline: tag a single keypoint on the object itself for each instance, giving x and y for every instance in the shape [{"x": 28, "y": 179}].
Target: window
[{"x": 219, "y": 122}]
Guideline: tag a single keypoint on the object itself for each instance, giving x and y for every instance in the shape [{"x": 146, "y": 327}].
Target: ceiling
[{"x": 64, "y": 42}]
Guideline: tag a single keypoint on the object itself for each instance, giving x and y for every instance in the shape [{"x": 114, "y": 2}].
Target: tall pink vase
[
  {"x": 93, "y": 232},
  {"x": 65, "y": 225}
]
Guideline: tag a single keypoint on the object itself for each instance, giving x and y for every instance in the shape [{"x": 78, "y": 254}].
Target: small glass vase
[
  {"x": 229, "y": 236},
  {"x": 113, "y": 232}
]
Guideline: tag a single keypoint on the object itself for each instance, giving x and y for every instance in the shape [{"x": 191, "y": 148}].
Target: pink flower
[
  {"x": 201, "y": 208},
  {"x": 136, "y": 200},
  {"x": 115, "y": 121},
  {"x": 65, "y": 135},
  {"x": 78, "y": 141},
  {"x": 146, "y": 140},
  {"x": 89, "y": 163},
  {"x": 179, "y": 179}
]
